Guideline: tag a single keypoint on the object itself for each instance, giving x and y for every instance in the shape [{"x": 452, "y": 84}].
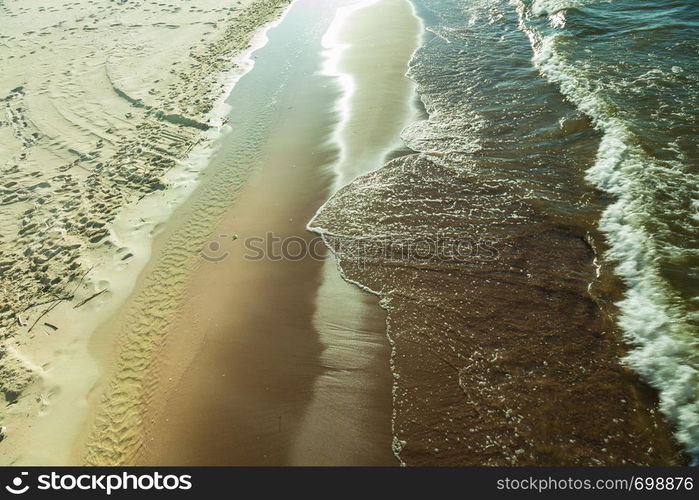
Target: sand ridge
[{"x": 99, "y": 101}]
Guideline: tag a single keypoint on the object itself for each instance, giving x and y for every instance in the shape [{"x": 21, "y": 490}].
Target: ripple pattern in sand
[{"x": 102, "y": 101}]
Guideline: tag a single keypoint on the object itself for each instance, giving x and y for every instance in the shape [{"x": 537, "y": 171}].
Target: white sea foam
[
  {"x": 442, "y": 135},
  {"x": 551, "y": 7},
  {"x": 659, "y": 331}
]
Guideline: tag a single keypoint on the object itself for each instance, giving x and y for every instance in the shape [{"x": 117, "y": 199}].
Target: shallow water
[{"x": 510, "y": 169}]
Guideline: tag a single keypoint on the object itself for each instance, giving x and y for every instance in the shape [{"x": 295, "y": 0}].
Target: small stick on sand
[
  {"x": 56, "y": 297},
  {"x": 90, "y": 298},
  {"x": 81, "y": 279},
  {"x": 48, "y": 310},
  {"x": 58, "y": 300}
]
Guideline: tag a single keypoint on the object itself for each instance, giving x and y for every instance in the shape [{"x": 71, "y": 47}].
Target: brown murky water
[
  {"x": 483, "y": 250},
  {"x": 501, "y": 355}
]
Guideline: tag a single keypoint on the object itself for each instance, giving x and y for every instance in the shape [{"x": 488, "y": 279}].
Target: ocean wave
[{"x": 653, "y": 316}]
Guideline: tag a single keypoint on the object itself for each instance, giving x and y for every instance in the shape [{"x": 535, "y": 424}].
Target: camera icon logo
[{"x": 16, "y": 488}]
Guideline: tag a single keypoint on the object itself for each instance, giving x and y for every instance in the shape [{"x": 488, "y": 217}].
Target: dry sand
[{"x": 103, "y": 103}]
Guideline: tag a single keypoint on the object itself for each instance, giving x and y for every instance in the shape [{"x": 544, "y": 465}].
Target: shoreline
[
  {"x": 526, "y": 349},
  {"x": 362, "y": 149}
]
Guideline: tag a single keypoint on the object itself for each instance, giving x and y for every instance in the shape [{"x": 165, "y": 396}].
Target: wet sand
[
  {"x": 225, "y": 360},
  {"x": 373, "y": 113}
]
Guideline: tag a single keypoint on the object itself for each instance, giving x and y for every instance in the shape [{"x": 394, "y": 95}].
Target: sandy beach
[
  {"x": 107, "y": 111},
  {"x": 227, "y": 360}
]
